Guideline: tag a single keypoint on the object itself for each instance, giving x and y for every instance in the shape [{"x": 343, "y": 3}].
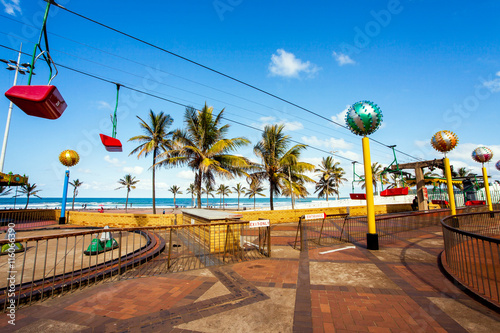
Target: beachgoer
[{"x": 164, "y": 211}]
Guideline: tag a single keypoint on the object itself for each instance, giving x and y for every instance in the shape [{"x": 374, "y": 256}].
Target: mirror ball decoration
[
  {"x": 363, "y": 118},
  {"x": 444, "y": 141},
  {"x": 482, "y": 154},
  {"x": 69, "y": 158}
]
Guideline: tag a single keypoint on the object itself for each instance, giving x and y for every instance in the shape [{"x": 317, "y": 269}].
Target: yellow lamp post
[
  {"x": 364, "y": 118},
  {"x": 483, "y": 155},
  {"x": 445, "y": 141},
  {"x": 67, "y": 158}
]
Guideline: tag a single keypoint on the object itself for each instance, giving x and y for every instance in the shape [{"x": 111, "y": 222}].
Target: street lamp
[{"x": 12, "y": 65}]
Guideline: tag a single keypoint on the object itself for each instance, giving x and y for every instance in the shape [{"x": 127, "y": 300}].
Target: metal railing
[
  {"x": 390, "y": 227},
  {"x": 27, "y": 218},
  {"x": 50, "y": 263},
  {"x": 321, "y": 232},
  {"x": 472, "y": 252}
]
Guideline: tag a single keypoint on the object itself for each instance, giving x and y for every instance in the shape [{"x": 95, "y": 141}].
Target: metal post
[
  {"x": 371, "y": 236},
  {"x": 487, "y": 189},
  {"x": 7, "y": 125},
  {"x": 449, "y": 183},
  {"x": 62, "y": 218}
]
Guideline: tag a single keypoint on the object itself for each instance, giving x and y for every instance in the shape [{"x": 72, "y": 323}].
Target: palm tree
[
  {"x": 208, "y": 189},
  {"x": 203, "y": 146},
  {"x": 240, "y": 190},
  {"x": 376, "y": 172},
  {"x": 154, "y": 140},
  {"x": 327, "y": 169},
  {"x": 129, "y": 183},
  {"x": 29, "y": 190},
  {"x": 4, "y": 191},
  {"x": 191, "y": 190},
  {"x": 223, "y": 190},
  {"x": 325, "y": 187},
  {"x": 278, "y": 163},
  {"x": 175, "y": 190},
  {"x": 255, "y": 188},
  {"x": 76, "y": 184}
]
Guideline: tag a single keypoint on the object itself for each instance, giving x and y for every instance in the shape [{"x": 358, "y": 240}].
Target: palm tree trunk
[
  {"x": 174, "y": 202},
  {"x": 126, "y": 201},
  {"x": 271, "y": 187},
  {"x": 73, "y": 203},
  {"x": 238, "y": 201},
  {"x": 198, "y": 189},
  {"x": 223, "y": 202},
  {"x": 27, "y": 201},
  {"x": 254, "y": 202},
  {"x": 154, "y": 194},
  {"x": 327, "y": 190}
]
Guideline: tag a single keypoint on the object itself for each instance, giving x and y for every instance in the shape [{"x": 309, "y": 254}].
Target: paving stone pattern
[{"x": 396, "y": 289}]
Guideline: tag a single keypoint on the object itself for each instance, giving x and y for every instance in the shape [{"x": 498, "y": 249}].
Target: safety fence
[
  {"x": 63, "y": 260},
  {"x": 340, "y": 228},
  {"x": 28, "y": 218},
  {"x": 472, "y": 252},
  {"x": 321, "y": 231}
]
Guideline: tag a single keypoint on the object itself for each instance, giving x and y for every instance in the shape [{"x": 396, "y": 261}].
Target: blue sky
[{"x": 429, "y": 66}]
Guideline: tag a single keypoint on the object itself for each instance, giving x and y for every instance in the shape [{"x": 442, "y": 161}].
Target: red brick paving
[{"x": 161, "y": 303}]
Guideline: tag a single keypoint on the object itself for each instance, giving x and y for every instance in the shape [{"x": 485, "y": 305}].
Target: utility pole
[{"x": 21, "y": 70}]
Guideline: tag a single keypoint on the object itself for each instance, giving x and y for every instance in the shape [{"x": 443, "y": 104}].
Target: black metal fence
[
  {"x": 62, "y": 260},
  {"x": 337, "y": 229},
  {"x": 472, "y": 251},
  {"x": 329, "y": 230}
]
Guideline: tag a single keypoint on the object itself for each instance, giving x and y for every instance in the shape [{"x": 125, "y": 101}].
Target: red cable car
[
  {"x": 38, "y": 101},
  {"x": 111, "y": 144},
  {"x": 358, "y": 196},
  {"x": 394, "y": 191}
]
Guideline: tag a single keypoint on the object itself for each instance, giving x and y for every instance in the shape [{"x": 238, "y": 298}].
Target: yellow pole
[
  {"x": 371, "y": 237},
  {"x": 487, "y": 189},
  {"x": 451, "y": 195}
]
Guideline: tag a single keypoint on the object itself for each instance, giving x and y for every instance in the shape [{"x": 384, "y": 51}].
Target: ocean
[{"x": 119, "y": 203}]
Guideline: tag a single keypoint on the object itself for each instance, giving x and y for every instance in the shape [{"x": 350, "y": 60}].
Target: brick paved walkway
[{"x": 396, "y": 289}]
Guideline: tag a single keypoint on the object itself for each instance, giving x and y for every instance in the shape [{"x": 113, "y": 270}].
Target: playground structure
[
  {"x": 419, "y": 178},
  {"x": 391, "y": 169}
]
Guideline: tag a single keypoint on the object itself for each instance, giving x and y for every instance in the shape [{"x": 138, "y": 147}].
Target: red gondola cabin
[
  {"x": 38, "y": 101},
  {"x": 111, "y": 144}
]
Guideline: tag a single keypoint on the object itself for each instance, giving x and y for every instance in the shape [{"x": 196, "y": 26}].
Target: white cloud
[
  {"x": 331, "y": 143},
  {"x": 269, "y": 119},
  {"x": 494, "y": 84},
  {"x": 343, "y": 59},
  {"x": 186, "y": 174},
  {"x": 289, "y": 125},
  {"x": 340, "y": 117},
  {"x": 102, "y": 105},
  {"x": 114, "y": 161},
  {"x": 81, "y": 170},
  {"x": 11, "y": 6},
  {"x": 287, "y": 65},
  {"x": 137, "y": 170},
  {"x": 293, "y": 126}
]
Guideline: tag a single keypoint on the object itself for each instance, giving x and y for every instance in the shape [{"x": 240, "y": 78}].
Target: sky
[{"x": 429, "y": 65}]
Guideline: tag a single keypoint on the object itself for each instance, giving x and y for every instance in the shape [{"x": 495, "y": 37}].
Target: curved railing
[{"x": 472, "y": 252}]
